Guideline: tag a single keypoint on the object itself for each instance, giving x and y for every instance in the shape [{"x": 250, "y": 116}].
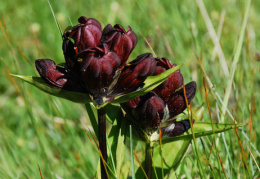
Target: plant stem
[
  {"x": 148, "y": 160},
  {"x": 102, "y": 140}
]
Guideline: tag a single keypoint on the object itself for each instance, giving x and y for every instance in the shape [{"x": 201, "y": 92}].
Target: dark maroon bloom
[
  {"x": 148, "y": 110},
  {"x": 86, "y": 34},
  {"x": 51, "y": 73},
  {"x": 134, "y": 74},
  {"x": 98, "y": 67},
  {"x": 119, "y": 40},
  {"x": 82, "y": 36},
  {"x": 58, "y": 77},
  {"x": 164, "y": 103},
  {"x": 173, "y": 82}
]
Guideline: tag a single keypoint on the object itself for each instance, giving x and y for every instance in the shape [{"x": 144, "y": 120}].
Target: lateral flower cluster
[
  {"x": 162, "y": 104},
  {"x": 95, "y": 62}
]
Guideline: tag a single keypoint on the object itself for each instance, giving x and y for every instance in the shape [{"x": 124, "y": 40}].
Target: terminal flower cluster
[{"x": 96, "y": 61}]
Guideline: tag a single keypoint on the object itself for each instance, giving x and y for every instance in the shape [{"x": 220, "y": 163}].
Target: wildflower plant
[{"x": 144, "y": 99}]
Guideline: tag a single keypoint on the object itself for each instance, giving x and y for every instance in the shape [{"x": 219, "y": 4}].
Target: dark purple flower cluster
[
  {"x": 96, "y": 65},
  {"x": 96, "y": 61},
  {"x": 162, "y": 104}
]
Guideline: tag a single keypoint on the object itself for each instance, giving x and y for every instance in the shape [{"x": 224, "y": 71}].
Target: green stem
[
  {"x": 102, "y": 140},
  {"x": 148, "y": 160}
]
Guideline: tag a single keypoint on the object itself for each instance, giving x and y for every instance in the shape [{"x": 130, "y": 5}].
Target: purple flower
[
  {"x": 119, "y": 40},
  {"x": 98, "y": 67},
  {"x": 86, "y": 34},
  {"x": 162, "y": 104},
  {"x": 173, "y": 82}
]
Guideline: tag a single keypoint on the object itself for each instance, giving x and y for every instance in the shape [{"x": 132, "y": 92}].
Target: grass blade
[
  {"x": 140, "y": 164},
  {"x": 111, "y": 157},
  {"x": 213, "y": 36},
  {"x": 55, "y": 19},
  {"x": 193, "y": 134},
  {"x": 92, "y": 117},
  {"x": 235, "y": 60}
]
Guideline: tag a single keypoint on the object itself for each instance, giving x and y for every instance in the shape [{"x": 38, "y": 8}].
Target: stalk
[
  {"x": 102, "y": 140},
  {"x": 148, "y": 160}
]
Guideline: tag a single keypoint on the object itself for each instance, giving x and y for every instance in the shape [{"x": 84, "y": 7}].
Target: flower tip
[
  {"x": 177, "y": 128},
  {"x": 190, "y": 90},
  {"x": 82, "y": 19},
  {"x": 50, "y": 72}
]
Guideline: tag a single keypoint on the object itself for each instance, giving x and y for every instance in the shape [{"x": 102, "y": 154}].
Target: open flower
[
  {"x": 96, "y": 62},
  {"x": 162, "y": 104}
]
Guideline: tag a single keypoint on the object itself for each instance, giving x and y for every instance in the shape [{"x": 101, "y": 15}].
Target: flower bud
[
  {"x": 176, "y": 128},
  {"x": 134, "y": 74},
  {"x": 68, "y": 52},
  {"x": 148, "y": 112},
  {"x": 86, "y": 34},
  {"x": 171, "y": 84},
  {"x": 51, "y": 73},
  {"x": 58, "y": 76},
  {"x": 177, "y": 102},
  {"x": 98, "y": 67},
  {"x": 119, "y": 41}
]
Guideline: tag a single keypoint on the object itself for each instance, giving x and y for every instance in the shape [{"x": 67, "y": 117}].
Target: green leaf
[
  {"x": 113, "y": 111},
  {"x": 202, "y": 129},
  {"x": 172, "y": 153},
  {"x": 174, "y": 148},
  {"x": 92, "y": 114},
  {"x": 150, "y": 83},
  {"x": 117, "y": 136},
  {"x": 44, "y": 86}
]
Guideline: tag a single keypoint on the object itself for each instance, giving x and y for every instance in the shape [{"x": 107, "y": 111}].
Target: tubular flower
[
  {"x": 119, "y": 40},
  {"x": 97, "y": 67},
  {"x": 133, "y": 74},
  {"x": 171, "y": 84},
  {"x": 86, "y": 34},
  {"x": 95, "y": 62},
  {"x": 162, "y": 104}
]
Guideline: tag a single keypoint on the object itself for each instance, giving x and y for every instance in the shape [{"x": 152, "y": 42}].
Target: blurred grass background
[{"x": 175, "y": 29}]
